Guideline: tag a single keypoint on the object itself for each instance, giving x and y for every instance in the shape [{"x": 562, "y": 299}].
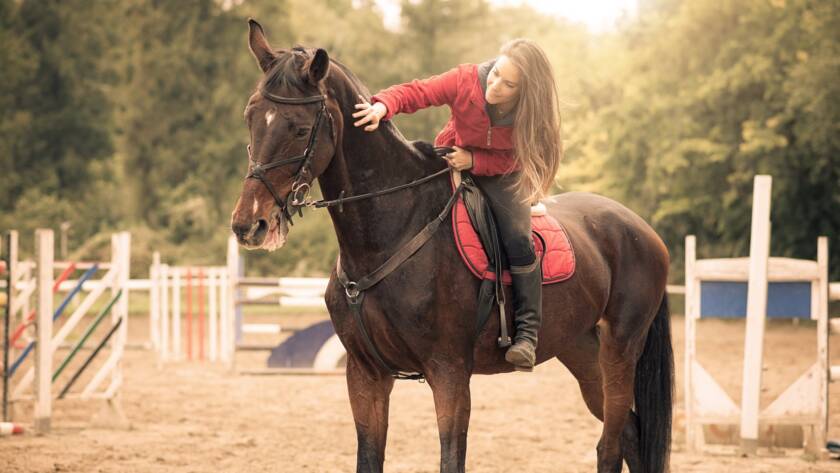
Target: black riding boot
[{"x": 527, "y": 310}]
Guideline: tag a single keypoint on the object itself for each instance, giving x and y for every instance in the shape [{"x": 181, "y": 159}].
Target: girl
[{"x": 505, "y": 129}]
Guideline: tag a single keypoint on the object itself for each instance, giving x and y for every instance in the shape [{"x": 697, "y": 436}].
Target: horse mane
[{"x": 421, "y": 150}]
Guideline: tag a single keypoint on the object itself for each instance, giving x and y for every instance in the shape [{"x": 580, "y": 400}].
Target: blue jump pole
[{"x": 87, "y": 275}]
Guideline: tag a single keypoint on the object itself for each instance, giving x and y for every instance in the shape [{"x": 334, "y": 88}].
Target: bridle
[{"x": 300, "y": 186}]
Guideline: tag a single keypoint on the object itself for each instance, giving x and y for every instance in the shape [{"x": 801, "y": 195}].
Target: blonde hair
[{"x": 538, "y": 146}]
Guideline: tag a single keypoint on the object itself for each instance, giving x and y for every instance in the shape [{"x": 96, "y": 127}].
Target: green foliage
[
  {"x": 110, "y": 124},
  {"x": 713, "y": 93}
]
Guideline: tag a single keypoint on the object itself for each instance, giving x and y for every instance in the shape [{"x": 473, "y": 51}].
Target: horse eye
[{"x": 302, "y": 132}]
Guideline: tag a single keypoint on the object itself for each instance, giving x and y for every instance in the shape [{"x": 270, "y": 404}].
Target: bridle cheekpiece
[{"x": 302, "y": 181}]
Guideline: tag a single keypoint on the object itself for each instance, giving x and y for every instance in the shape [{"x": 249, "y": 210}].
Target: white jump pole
[
  {"x": 692, "y": 436},
  {"x": 43, "y": 351},
  {"x": 121, "y": 284},
  {"x": 154, "y": 302},
  {"x": 176, "y": 314},
  {"x": 225, "y": 324},
  {"x": 211, "y": 278},
  {"x": 163, "y": 291},
  {"x": 233, "y": 318},
  {"x": 756, "y": 313},
  {"x": 819, "y": 433}
]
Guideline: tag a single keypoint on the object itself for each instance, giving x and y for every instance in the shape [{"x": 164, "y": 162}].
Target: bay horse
[{"x": 608, "y": 324}]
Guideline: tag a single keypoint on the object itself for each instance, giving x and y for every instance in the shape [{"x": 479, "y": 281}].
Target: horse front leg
[
  {"x": 370, "y": 394},
  {"x": 451, "y": 390}
]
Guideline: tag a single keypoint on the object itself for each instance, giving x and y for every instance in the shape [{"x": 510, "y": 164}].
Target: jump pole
[
  {"x": 189, "y": 330},
  {"x": 154, "y": 303},
  {"x": 225, "y": 324},
  {"x": 10, "y": 257},
  {"x": 121, "y": 259},
  {"x": 69, "y": 324},
  {"x": 87, "y": 275},
  {"x": 200, "y": 314},
  {"x": 31, "y": 317},
  {"x": 233, "y": 315},
  {"x": 756, "y": 313},
  {"x": 176, "y": 314},
  {"x": 105, "y": 311},
  {"x": 119, "y": 317},
  {"x": 163, "y": 295},
  {"x": 90, "y": 358},
  {"x": 43, "y": 352},
  {"x": 213, "y": 314}
]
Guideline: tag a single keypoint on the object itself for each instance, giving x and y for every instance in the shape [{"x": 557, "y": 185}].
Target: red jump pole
[
  {"x": 10, "y": 428},
  {"x": 31, "y": 316},
  {"x": 201, "y": 314},
  {"x": 189, "y": 314}
]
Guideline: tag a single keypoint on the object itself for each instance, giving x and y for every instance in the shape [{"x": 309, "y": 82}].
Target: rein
[{"x": 341, "y": 200}]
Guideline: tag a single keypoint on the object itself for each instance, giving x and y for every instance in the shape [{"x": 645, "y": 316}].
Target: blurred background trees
[{"x": 128, "y": 113}]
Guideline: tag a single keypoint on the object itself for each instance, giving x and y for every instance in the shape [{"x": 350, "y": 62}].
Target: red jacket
[{"x": 469, "y": 125}]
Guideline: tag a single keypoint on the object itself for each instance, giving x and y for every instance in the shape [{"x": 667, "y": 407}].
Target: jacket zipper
[{"x": 489, "y": 134}]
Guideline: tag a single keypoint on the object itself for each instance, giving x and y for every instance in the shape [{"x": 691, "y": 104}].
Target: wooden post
[
  {"x": 691, "y": 313},
  {"x": 234, "y": 317},
  {"x": 225, "y": 324},
  {"x": 154, "y": 303},
  {"x": 176, "y": 314},
  {"x": 818, "y": 437},
  {"x": 201, "y": 330},
  {"x": 189, "y": 299},
  {"x": 212, "y": 313},
  {"x": 163, "y": 281},
  {"x": 756, "y": 313},
  {"x": 43, "y": 352},
  {"x": 8, "y": 251},
  {"x": 121, "y": 339}
]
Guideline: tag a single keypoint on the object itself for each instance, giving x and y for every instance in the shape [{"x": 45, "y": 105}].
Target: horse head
[{"x": 292, "y": 140}]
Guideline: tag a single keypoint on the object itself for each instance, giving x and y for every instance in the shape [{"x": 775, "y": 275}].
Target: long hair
[{"x": 538, "y": 145}]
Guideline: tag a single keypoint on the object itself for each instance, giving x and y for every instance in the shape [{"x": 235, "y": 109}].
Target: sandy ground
[{"x": 192, "y": 417}]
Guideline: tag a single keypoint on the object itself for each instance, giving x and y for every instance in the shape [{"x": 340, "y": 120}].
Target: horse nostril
[
  {"x": 240, "y": 229},
  {"x": 262, "y": 226}
]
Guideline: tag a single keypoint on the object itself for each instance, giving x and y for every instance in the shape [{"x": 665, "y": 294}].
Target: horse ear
[
  {"x": 259, "y": 45},
  {"x": 317, "y": 67}
]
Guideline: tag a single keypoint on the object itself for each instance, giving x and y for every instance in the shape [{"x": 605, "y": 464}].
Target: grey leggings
[{"x": 512, "y": 217}]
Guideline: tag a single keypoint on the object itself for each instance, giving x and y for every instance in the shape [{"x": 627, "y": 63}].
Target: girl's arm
[{"x": 418, "y": 94}]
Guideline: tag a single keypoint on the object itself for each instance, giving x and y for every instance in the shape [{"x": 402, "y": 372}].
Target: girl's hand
[
  {"x": 370, "y": 114},
  {"x": 461, "y": 159}
]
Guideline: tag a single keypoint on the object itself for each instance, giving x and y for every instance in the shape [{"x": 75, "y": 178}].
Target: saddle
[
  {"x": 477, "y": 240},
  {"x": 478, "y": 243}
]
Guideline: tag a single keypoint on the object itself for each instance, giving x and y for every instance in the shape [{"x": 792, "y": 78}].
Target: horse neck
[{"x": 369, "y": 231}]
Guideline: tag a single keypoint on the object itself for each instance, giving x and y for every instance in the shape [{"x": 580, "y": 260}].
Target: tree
[{"x": 712, "y": 94}]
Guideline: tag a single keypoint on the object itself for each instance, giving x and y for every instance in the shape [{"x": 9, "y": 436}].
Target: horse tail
[{"x": 654, "y": 392}]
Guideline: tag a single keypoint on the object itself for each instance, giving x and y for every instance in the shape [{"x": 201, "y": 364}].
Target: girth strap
[{"x": 354, "y": 290}]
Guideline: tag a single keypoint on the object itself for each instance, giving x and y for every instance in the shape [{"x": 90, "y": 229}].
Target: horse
[{"x": 608, "y": 324}]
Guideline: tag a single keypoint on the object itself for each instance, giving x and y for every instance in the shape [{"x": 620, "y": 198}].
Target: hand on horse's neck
[{"x": 370, "y": 231}]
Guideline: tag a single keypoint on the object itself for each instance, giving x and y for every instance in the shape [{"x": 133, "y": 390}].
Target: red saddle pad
[{"x": 558, "y": 257}]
